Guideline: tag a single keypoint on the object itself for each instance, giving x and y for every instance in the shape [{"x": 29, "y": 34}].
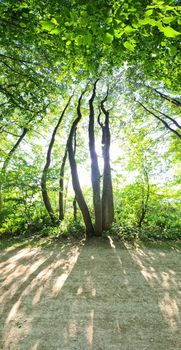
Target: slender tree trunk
[
  {"x": 75, "y": 208},
  {"x": 61, "y": 187},
  {"x": 95, "y": 173},
  {"x": 74, "y": 200},
  {"x": 107, "y": 193},
  {"x": 75, "y": 178},
  {"x": 45, "y": 195},
  {"x": 8, "y": 158},
  {"x": 145, "y": 199},
  {"x": 65, "y": 196}
]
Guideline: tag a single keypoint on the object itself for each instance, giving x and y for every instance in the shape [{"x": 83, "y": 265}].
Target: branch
[
  {"x": 16, "y": 59},
  {"x": 25, "y": 130},
  {"x": 99, "y": 118},
  {"x": 8, "y": 132},
  {"x": 171, "y": 119},
  {"x": 168, "y": 98},
  {"x": 160, "y": 119}
]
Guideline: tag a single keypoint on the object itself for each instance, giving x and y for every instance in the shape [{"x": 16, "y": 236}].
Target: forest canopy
[{"x": 90, "y": 120}]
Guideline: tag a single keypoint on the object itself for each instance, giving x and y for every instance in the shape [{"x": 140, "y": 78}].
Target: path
[{"x": 99, "y": 296}]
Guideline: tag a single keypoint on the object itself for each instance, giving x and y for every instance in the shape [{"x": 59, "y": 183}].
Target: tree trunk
[
  {"x": 145, "y": 199},
  {"x": 95, "y": 173},
  {"x": 75, "y": 179},
  {"x": 61, "y": 187},
  {"x": 65, "y": 195},
  {"x": 45, "y": 195},
  {"x": 75, "y": 208},
  {"x": 107, "y": 192},
  {"x": 6, "y": 162}
]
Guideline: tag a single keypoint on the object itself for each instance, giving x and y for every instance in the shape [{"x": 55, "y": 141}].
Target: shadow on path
[{"x": 98, "y": 296}]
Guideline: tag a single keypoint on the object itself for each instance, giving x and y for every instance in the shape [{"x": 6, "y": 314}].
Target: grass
[
  {"x": 40, "y": 241},
  {"x": 35, "y": 240}
]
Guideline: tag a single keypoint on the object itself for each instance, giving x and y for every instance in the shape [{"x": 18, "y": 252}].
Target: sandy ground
[{"x": 101, "y": 295}]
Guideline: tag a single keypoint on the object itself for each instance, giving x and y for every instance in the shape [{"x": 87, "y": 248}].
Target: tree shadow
[
  {"x": 161, "y": 270},
  {"x": 89, "y": 297}
]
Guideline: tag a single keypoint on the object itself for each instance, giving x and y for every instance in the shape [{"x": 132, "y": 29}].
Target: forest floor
[{"x": 99, "y": 295}]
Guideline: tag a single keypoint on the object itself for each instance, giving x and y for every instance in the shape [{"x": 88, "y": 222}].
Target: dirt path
[{"x": 100, "y": 296}]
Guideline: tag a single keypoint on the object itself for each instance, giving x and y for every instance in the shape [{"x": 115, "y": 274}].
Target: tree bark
[
  {"x": 61, "y": 187},
  {"x": 75, "y": 178},
  {"x": 6, "y": 162},
  {"x": 45, "y": 195},
  {"x": 75, "y": 208},
  {"x": 95, "y": 173},
  {"x": 107, "y": 192},
  {"x": 145, "y": 199}
]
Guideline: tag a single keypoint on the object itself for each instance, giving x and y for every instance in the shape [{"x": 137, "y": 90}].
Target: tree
[
  {"x": 47, "y": 164},
  {"x": 107, "y": 195},
  {"x": 95, "y": 173},
  {"x": 75, "y": 178}
]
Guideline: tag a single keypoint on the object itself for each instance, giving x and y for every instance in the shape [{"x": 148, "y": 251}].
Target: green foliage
[{"x": 71, "y": 228}]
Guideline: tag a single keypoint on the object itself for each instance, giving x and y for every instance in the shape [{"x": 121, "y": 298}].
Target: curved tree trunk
[
  {"x": 6, "y": 162},
  {"x": 45, "y": 195},
  {"x": 107, "y": 192},
  {"x": 95, "y": 173},
  {"x": 61, "y": 187},
  {"x": 75, "y": 178}
]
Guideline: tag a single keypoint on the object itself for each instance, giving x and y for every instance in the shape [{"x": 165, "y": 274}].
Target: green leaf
[
  {"x": 108, "y": 38},
  {"x": 68, "y": 24},
  {"x": 54, "y": 21},
  {"x": 25, "y": 15},
  {"x": 147, "y": 20},
  {"x": 173, "y": 50},
  {"x": 128, "y": 29},
  {"x": 88, "y": 39},
  {"x": 169, "y": 32},
  {"x": 118, "y": 34},
  {"x": 22, "y": 25},
  {"x": 79, "y": 40},
  {"x": 168, "y": 20},
  {"x": 55, "y": 31},
  {"x": 109, "y": 20},
  {"x": 148, "y": 13},
  {"x": 129, "y": 45},
  {"x": 47, "y": 25}
]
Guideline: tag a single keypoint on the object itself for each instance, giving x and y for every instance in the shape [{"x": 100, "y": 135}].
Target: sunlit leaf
[
  {"x": 128, "y": 29},
  {"x": 108, "y": 38},
  {"x": 170, "y": 32},
  {"x": 47, "y": 25},
  {"x": 148, "y": 13},
  {"x": 129, "y": 45},
  {"x": 168, "y": 19},
  {"x": 55, "y": 31}
]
